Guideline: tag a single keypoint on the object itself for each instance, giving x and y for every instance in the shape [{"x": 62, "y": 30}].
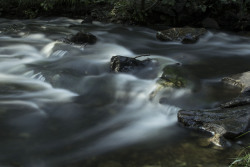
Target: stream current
[{"x": 61, "y": 106}]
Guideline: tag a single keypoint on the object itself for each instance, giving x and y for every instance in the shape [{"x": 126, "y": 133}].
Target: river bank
[{"x": 219, "y": 15}]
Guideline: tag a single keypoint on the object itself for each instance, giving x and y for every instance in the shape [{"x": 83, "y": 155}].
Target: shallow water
[{"x": 61, "y": 106}]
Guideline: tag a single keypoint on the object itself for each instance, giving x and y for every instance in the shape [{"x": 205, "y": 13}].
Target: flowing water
[{"x": 61, "y": 106}]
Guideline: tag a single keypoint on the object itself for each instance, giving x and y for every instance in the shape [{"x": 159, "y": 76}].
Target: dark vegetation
[{"x": 225, "y": 14}]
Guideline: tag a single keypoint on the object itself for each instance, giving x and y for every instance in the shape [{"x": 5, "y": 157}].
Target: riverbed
[{"x": 61, "y": 106}]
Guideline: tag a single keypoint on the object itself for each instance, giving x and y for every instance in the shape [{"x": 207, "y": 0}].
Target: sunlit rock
[
  {"x": 184, "y": 35},
  {"x": 241, "y": 80}
]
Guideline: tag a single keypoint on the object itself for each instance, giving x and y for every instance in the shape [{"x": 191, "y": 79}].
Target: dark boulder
[
  {"x": 184, "y": 35},
  {"x": 143, "y": 68},
  {"x": 227, "y": 121},
  {"x": 83, "y": 38}
]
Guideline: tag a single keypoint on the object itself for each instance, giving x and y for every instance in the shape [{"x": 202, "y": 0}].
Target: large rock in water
[
  {"x": 184, "y": 35},
  {"x": 142, "y": 68},
  {"x": 227, "y": 121}
]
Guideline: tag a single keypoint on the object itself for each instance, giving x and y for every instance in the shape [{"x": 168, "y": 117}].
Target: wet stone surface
[
  {"x": 227, "y": 121},
  {"x": 142, "y": 68},
  {"x": 241, "y": 80}
]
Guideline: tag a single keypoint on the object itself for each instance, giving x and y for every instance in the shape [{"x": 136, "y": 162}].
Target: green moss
[{"x": 173, "y": 76}]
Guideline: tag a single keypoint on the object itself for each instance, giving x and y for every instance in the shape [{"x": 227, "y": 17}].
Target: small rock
[
  {"x": 142, "y": 68},
  {"x": 83, "y": 38},
  {"x": 184, "y": 35},
  {"x": 219, "y": 141},
  {"x": 241, "y": 80}
]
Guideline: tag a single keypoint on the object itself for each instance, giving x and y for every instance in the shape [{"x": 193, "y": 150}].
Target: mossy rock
[{"x": 173, "y": 76}]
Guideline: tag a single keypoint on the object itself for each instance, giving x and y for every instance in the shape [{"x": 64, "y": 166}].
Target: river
[{"x": 61, "y": 106}]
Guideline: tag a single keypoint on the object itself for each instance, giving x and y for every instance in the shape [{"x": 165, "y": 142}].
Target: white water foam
[{"x": 40, "y": 91}]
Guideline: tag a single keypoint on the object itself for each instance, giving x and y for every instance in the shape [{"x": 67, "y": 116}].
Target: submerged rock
[
  {"x": 143, "y": 68},
  {"x": 241, "y": 80},
  {"x": 173, "y": 76},
  {"x": 184, "y": 35},
  {"x": 227, "y": 121},
  {"x": 83, "y": 38}
]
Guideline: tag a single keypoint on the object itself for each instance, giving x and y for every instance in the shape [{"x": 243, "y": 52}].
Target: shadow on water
[{"x": 61, "y": 106}]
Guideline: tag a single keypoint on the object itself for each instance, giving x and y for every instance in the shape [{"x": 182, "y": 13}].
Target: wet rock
[
  {"x": 240, "y": 101},
  {"x": 142, "y": 68},
  {"x": 173, "y": 76},
  {"x": 83, "y": 38},
  {"x": 241, "y": 80},
  {"x": 227, "y": 121},
  {"x": 184, "y": 35}
]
